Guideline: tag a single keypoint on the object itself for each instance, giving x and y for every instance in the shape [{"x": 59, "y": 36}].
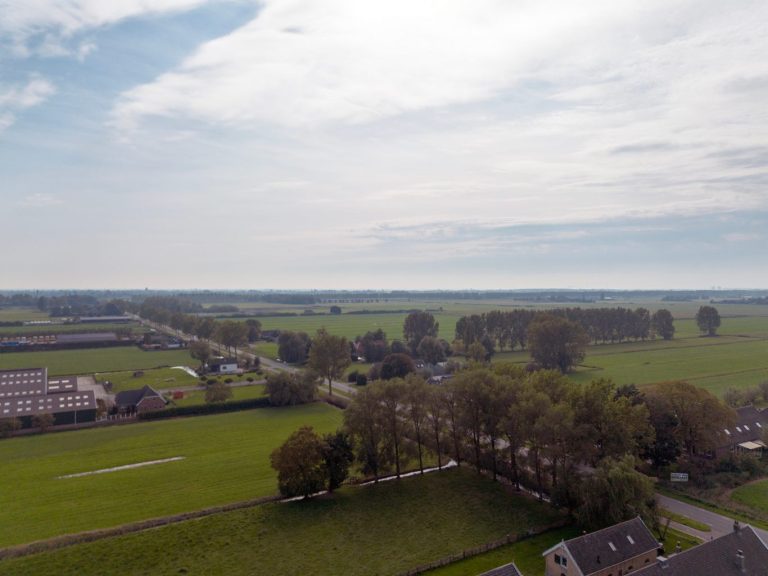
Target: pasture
[
  {"x": 753, "y": 495},
  {"x": 226, "y": 460},
  {"x": 380, "y": 529},
  {"x": 22, "y": 315},
  {"x": 36, "y": 329},
  {"x": 90, "y": 360},
  {"x": 197, "y": 397},
  {"x": 159, "y": 379}
]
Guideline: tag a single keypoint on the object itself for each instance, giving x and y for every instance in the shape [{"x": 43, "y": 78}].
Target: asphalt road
[{"x": 719, "y": 524}]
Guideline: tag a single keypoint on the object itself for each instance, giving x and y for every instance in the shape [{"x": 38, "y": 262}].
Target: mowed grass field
[
  {"x": 736, "y": 358},
  {"x": 238, "y": 393},
  {"x": 754, "y": 495},
  {"x": 159, "y": 379},
  {"x": 382, "y": 529},
  {"x": 90, "y": 360},
  {"x": 135, "y": 328},
  {"x": 226, "y": 460},
  {"x": 351, "y": 325}
]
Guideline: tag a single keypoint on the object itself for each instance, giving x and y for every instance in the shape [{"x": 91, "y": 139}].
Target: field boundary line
[{"x": 67, "y": 540}]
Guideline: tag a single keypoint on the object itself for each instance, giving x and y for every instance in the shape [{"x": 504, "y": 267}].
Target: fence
[{"x": 482, "y": 549}]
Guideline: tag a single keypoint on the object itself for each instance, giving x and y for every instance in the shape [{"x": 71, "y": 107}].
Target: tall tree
[
  {"x": 363, "y": 421},
  {"x": 555, "y": 342},
  {"x": 417, "y": 408},
  {"x": 663, "y": 324},
  {"x": 431, "y": 350},
  {"x": 417, "y": 325},
  {"x": 708, "y": 320},
  {"x": 300, "y": 464},
  {"x": 217, "y": 393},
  {"x": 329, "y": 356},
  {"x": 200, "y": 350},
  {"x": 397, "y": 366},
  {"x": 393, "y": 407},
  {"x": 338, "y": 456},
  {"x": 436, "y": 419},
  {"x": 700, "y": 415},
  {"x": 616, "y": 492},
  {"x": 254, "y": 329},
  {"x": 289, "y": 389},
  {"x": 293, "y": 347}
]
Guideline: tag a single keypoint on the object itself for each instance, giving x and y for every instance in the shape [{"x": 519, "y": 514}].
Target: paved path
[{"x": 719, "y": 524}]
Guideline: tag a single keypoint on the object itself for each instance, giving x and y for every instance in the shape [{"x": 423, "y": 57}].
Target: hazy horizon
[{"x": 493, "y": 144}]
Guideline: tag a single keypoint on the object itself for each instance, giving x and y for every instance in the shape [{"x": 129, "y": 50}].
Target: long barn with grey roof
[{"x": 29, "y": 392}]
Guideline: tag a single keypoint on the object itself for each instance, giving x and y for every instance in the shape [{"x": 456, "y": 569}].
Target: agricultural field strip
[
  {"x": 227, "y": 460},
  {"x": 123, "y": 467},
  {"x": 383, "y": 529}
]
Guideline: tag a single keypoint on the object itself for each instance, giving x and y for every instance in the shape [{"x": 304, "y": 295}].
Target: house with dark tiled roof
[
  {"x": 740, "y": 553},
  {"x": 746, "y": 436},
  {"x": 144, "y": 399},
  {"x": 506, "y": 570},
  {"x": 618, "y": 550}
]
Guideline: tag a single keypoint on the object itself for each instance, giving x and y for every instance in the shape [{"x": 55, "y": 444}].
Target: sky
[{"x": 352, "y": 144}]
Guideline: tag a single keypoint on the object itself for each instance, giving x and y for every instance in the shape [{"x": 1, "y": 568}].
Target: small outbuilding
[{"x": 223, "y": 366}]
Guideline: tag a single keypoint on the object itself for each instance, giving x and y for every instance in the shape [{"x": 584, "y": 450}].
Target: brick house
[
  {"x": 617, "y": 550},
  {"x": 144, "y": 399}
]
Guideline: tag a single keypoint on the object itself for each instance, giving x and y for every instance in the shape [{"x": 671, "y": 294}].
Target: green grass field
[
  {"x": 90, "y": 360},
  {"x": 159, "y": 379},
  {"x": 351, "y": 325},
  {"x": 382, "y": 529},
  {"x": 754, "y": 495},
  {"x": 238, "y": 393},
  {"x": 135, "y": 328},
  {"x": 22, "y": 315},
  {"x": 737, "y": 358},
  {"x": 227, "y": 460}
]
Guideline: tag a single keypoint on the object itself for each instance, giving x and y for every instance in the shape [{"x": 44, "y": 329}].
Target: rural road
[
  {"x": 265, "y": 362},
  {"x": 720, "y": 524}
]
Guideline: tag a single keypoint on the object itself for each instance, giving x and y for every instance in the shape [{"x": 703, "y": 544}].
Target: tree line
[
  {"x": 509, "y": 330},
  {"x": 539, "y": 430}
]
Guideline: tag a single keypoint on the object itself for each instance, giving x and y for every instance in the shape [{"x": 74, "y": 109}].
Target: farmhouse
[
  {"x": 223, "y": 366},
  {"x": 28, "y": 392},
  {"x": 617, "y": 550},
  {"x": 137, "y": 401},
  {"x": 740, "y": 553},
  {"x": 747, "y": 435}
]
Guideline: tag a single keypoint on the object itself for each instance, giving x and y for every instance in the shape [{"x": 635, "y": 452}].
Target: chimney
[
  {"x": 740, "y": 560},
  {"x": 736, "y": 526},
  {"x": 663, "y": 563},
  {"x": 678, "y": 548}
]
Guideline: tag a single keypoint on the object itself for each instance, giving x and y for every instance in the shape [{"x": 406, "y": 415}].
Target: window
[
  {"x": 612, "y": 546},
  {"x": 561, "y": 560},
  {"x": 630, "y": 539}
]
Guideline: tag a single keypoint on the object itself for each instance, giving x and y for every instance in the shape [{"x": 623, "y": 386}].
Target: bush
[
  {"x": 249, "y": 379},
  {"x": 204, "y": 409},
  {"x": 228, "y": 381},
  {"x": 286, "y": 389},
  {"x": 361, "y": 380},
  {"x": 211, "y": 381},
  {"x": 352, "y": 376}
]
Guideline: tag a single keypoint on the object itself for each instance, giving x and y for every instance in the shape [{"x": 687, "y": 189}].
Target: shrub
[
  {"x": 249, "y": 379},
  {"x": 352, "y": 376},
  {"x": 361, "y": 380},
  {"x": 203, "y": 409},
  {"x": 228, "y": 381}
]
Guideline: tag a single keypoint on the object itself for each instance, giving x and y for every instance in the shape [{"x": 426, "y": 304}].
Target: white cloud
[
  {"x": 18, "y": 97},
  {"x": 58, "y": 20},
  {"x": 39, "y": 200},
  {"x": 305, "y": 62}
]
